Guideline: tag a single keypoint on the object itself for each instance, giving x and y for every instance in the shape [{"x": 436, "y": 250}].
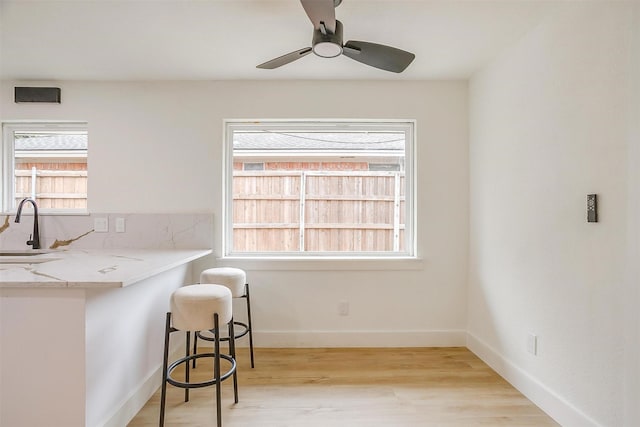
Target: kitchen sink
[
  {"x": 28, "y": 256},
  {"x": 26, "y": 260},
  {"x": 23, "y": 252}
]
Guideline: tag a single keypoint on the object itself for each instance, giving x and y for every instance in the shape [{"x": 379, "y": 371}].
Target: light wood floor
[{"x": 351, "y": 388}]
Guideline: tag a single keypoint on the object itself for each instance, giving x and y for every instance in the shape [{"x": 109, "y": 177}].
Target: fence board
[
  {"x": 55, "y": 188},
  {"x": 343, "y": 211}
]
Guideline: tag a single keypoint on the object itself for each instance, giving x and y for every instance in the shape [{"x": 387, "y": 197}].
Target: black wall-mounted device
[
  {"x": 37, "y": 94},
  {"x": 592, "y": 208}
]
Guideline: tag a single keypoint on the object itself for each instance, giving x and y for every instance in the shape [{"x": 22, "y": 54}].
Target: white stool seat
[
  {"x": 233, "y": 278},
  {"x": 193, "y": 307}
]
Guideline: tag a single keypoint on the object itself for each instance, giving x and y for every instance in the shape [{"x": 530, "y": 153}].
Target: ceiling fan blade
[
  {"x": 321, "y": 11},
  {"x": 377, "y": 55},
  {"x": 285, "y": 59}
]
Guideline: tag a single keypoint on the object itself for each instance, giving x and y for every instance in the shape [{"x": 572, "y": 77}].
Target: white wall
[
  {"x": 632, "y": 295},
  {"x": 549, "y": 125},
  {"x": 157, "y": 147}
]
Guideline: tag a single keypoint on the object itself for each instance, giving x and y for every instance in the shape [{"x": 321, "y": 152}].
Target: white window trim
[
  {"x": 410, "y": 254},
  {"x": 7, "y": 166}
]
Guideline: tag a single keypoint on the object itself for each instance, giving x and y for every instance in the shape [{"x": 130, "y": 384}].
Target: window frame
[
  {"x": 407, "y": 126},
  {"x": 7, "y": 166}
]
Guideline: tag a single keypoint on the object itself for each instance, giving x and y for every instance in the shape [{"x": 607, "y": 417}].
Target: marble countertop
[{"x": 99, "y": 268}]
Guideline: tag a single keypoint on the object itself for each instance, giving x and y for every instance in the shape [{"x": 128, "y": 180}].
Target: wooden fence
[
  {"x": 312, "y": 211},
  {"x": 64, "y": 188}
]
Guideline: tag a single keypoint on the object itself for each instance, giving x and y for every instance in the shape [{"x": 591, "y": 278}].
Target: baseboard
[
  {"x": 313, "y": 339},
  {"x": 542, "y": 396}
]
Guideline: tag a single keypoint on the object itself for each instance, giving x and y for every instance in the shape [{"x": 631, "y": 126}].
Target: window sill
[{"x": 322, "y": 264}]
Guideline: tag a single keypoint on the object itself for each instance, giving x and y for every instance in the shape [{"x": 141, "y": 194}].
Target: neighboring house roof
[
  {"x": 31, "y": 142},
  {"x": 318, "y": 141}
]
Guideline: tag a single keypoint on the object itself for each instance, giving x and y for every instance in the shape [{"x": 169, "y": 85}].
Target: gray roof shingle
[
  {"x": 318, "y": 141},
  {"x": 52, "y": 142}
]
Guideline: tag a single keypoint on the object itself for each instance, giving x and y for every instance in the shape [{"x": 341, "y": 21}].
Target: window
[
  {"x": 45, "y": 161},
  {"x": 337, "y": 189}
]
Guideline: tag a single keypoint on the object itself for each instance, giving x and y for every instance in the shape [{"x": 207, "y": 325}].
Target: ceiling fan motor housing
[{"x": 328, "y": 45}]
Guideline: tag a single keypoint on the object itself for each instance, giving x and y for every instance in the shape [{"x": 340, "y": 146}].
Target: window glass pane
[
  {"x": 49, "y": 165},
  {"x": 322, "y": 191}
]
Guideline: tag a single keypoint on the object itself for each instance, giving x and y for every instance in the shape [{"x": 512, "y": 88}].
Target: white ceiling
[{"x": 226, "y": 39}]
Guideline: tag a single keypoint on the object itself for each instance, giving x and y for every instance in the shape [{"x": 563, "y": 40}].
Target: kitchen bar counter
[
  {"x": 81, "y": 332},
  {"x": 96, "y": 268}
]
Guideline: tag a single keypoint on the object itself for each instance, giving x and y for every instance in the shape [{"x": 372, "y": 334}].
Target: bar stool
[
  {"x": 236, "y": 280},
  {"x": 199, "y": 308}
]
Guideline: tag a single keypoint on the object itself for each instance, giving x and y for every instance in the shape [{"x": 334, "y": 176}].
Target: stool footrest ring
[
  {"x": 243, "y": 332},
  {"x": 207, "y": 383}
]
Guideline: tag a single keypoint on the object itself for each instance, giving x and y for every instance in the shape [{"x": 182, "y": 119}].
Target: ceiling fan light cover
[{"x": 327, "y": 49}]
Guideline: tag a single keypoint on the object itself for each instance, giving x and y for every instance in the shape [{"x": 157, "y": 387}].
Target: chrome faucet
[{"x": 34, "y": 239}]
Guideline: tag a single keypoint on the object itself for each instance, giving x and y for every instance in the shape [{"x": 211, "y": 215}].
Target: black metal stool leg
[
  {"x": 216, "y": 370},
  {"x": 232, "y": 351},
  {"x": 249, "y": 323},
  {"x": 163, "y": 396},
  {"x": 195, "y": 346},
  {"x": 186, "y": 367}
]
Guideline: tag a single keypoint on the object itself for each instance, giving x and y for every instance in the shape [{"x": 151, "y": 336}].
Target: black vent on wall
[{"x": 37, "y": 94}]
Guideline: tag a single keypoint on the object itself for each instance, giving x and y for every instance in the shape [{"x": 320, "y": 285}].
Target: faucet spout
[{"x": 35, "y": 237}]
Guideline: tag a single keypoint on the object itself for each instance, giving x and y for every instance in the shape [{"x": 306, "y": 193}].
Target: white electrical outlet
[
  {"x": 101, "y": 225},
  {"x": 532, "y": 344},
  {"x": 120, "y": 228},
  {"x": 343, "y": 308}
]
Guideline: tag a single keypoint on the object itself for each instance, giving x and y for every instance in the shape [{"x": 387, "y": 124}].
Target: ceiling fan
[{"x": 327, "y": 42}]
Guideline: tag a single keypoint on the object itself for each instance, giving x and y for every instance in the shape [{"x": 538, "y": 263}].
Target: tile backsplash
[{"x": 142, "y": 231}]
